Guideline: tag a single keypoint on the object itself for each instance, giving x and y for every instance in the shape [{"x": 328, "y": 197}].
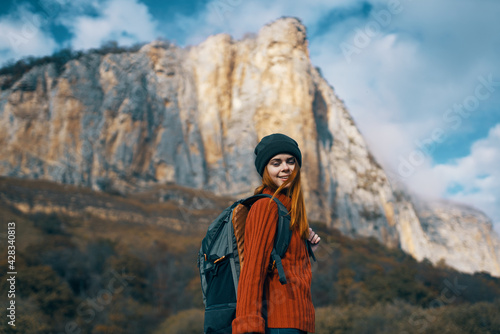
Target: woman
[{"x": 264, "y": 304}]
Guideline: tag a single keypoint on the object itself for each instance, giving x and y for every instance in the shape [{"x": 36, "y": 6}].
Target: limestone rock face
[
  {"x": 192, "y": 116},
  {"x": 457, "y": 234}
]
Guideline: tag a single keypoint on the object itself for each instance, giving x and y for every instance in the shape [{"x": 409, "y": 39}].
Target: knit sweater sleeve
[{"x": 260, "y": 230}]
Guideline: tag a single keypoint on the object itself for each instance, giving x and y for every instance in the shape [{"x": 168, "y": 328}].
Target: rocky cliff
[
  {"x": 457, "y": 234},
  {"x": 192, "y": 116}
]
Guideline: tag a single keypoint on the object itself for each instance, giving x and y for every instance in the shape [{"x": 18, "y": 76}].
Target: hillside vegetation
[
  {"x": 13, "y": 71},
  {"x": 81, "y": 273}
]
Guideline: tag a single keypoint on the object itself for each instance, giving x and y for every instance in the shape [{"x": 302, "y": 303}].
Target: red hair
[{"x": 298, "y": 207}]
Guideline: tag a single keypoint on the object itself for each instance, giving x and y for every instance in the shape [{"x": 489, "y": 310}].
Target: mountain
[{"x": 126, "y": 122}]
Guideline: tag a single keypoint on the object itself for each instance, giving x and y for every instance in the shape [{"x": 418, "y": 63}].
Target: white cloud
[
  {"x": 477, "y": 176},
  {"x": 23, "y": 33},
  {"x": 237, "y": 17},
  {"x": 124, "y": 21}
]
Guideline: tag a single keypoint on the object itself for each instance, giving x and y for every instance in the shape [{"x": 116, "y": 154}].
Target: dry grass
[
  {"x": 138, "y": 221},
  {"x": 174, "y": 207}
]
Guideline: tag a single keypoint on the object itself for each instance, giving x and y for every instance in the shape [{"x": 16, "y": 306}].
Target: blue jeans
[{"x": 284, "y": 331}]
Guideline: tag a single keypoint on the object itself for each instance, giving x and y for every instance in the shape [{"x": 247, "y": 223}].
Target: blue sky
[{"x": 421, "y": 78}]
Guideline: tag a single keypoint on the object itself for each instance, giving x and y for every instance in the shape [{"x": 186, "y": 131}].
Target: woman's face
[{"x": 280, "y": 167}]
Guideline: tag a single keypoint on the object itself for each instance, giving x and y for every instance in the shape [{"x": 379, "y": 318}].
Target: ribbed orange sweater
[{"x": 288, "y": 305}]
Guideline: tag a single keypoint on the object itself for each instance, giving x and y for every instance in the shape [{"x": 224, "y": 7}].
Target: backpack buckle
[
  {"x": 219, "y": 259},
  {"x": 272, "y": 266}
]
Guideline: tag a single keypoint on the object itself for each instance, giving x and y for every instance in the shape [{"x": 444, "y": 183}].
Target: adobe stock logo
[
  {"x": 32, "y": 23},
  {"x": 422, "y": 319},
  {"x": 363, "y": 37},
  {"x": 224, "y": 8},
  {"x": 452, "y": 119}
]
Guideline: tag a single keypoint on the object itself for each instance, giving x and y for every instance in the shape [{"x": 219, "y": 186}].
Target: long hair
[{"x": 298, "y": 208}]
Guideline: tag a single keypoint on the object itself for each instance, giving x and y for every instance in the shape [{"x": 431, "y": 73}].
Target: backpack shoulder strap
[
  {"x": 282, "y": 210},
  {"x": 281, "y": 241},
  {"x": 283, "y": 233}
]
